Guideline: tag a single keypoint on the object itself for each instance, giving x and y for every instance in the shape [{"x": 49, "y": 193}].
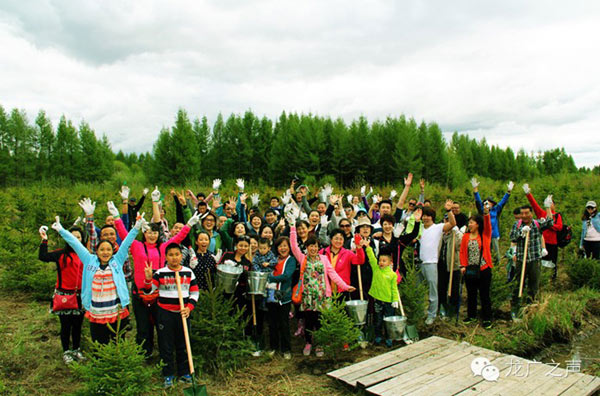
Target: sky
[{"x": 520, "y": 74}]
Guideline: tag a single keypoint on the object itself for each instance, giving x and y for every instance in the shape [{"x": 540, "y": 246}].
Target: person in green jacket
[{"x": 383, "y": 289}]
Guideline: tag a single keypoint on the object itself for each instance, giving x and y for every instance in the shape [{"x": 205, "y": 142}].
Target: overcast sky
[{"x": 523, "y": 74}]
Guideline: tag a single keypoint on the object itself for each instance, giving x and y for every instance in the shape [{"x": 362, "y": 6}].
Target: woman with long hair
[{"x": 590, "y": 231}]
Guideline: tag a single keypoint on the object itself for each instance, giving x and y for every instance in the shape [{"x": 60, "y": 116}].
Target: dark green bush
[{"x": 584, "y": 272}]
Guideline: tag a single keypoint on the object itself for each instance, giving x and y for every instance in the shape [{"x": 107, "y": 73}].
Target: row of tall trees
[
  {"x": 271, "y": 151},
  {"x": 38, "y": 152}
]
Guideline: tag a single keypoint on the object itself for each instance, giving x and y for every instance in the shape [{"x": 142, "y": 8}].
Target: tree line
[{"x": 259, "y": 149}]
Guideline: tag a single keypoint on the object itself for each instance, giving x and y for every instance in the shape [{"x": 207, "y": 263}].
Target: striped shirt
[
  {"x": 106, "y": 304},
  {"x": 163, "y": 280}
]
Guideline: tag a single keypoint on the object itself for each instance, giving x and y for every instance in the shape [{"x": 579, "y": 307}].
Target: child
[
  {"x": 264, "y": 261},
  {"x": 383, "y": 289},
  {"x": 170, "y": 326}
]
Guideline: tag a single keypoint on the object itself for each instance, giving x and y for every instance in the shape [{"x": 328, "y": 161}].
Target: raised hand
[
  {"x": 376, "y": 198},
  {"x": 393, "y": 194},
  {"x": 139, "y": 221},
  {"x": 155, "y": 194},
  {"x": 148, "y": 271},
  {"x": 56, "y": 225},
  {"x": 243, "y": 197},
  {"x": 145, "y": 191},
  {"x": 349, "y": 198},
  {"x": 474, "y": 183},
  {"x": 255, "y": 199},
  {"x": 408, "y": 179},
  {"x": 112, "y": 209},
  {"x": 526, "y": 188},
  {"x": 124, "y": 193},
  {"x": 448, "y": 204},
  {"x": 290, "y": 216},
  {"x": 87, "y": 206},
  {"x": 363, "y": 190},
  {"x": 216, "y": 184},
  {"x": 43, "y": 229},
  {"x": 216, "y": 202},
  {"x": 77, "y": 221},
  {"x": 181, "y": 198},
  {"x": 510, "y": 186},
  {"x": 195, "y": 219},
  {"x": 240, "y": 184},
  {"x": 285, "y": 199},
  {"x": 548, "y": 202}
]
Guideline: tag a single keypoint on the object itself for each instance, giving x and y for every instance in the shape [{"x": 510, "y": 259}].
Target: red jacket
[
  {"x": 486, "y": 252},
  {"x": 550, "y": 234},
  {"x": 345, "y": 258},
  {"x": 69, "y": 268}
]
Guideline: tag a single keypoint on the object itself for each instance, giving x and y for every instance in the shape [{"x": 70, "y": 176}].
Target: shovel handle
[
  {"x": 360, "y": 290},
  {"x": 253, "y": 311},
  {"x": 400, "y": 303},
  {"x": 524, "y": 263},
  {"x": 188, "y": 347},
  {"x": 452, "y": 264}
]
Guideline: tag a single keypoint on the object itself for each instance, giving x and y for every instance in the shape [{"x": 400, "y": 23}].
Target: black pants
[
  {"x": 70, "y": 326},
  {"x": 552, "y": 256},
  {"x": 145, "y": 321},
  {"x": 311, "y": 324},
  {"x": 483, "y": 286},
  {"x": 171, "y": 340},
  {"x": 279, "y": 326},
  {"x": 101, "y": 333},
  {"x": 255, "y": 332},
  {"x": 592, "y": 249},
  {"x": 443, "y": 280},
  {"x": 382, "y": 310}
]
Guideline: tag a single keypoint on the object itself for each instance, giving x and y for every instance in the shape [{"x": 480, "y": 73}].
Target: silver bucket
[
  {"x": 394, "y": 325},
  {"x": 357, "y": 310},
  {"x": 227, "y": 276},
  {"x": 257, "y": 282}
]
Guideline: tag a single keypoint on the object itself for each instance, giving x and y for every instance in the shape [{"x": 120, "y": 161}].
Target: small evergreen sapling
[{"x": 337, "y": 329}]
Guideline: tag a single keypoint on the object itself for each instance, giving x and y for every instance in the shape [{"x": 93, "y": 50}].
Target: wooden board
[{"x": 585, "y": 386}]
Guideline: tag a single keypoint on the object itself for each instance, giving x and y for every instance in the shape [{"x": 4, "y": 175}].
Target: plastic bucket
[
  {"x": 227, "y": 276},
  {"x": 357, "y": 310},
  {"x": 257, "y": 282},
  {"x": 394, "y": 325}
]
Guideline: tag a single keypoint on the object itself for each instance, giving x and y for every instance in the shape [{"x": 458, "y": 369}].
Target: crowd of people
[{"x": 312, "y": 246}]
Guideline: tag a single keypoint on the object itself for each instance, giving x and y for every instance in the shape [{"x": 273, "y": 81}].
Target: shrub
[
  {"x": 217, "y": 334},
  {"x": 500, "y": 291},
  {"x": 117, "y": 368},
  {"x": 584, "y": 272},
  {"x": 413, "y": 292},
  {"x": 337, "y": 329}
]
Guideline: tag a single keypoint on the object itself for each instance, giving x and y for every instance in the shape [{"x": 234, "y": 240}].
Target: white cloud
[{"x": 520, "y": 75}]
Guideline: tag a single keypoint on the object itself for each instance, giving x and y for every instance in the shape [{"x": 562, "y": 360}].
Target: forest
[{"x": 317, "y": 149}]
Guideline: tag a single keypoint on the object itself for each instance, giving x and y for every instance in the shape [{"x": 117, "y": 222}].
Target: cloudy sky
[{"x": 520, "y": 75}]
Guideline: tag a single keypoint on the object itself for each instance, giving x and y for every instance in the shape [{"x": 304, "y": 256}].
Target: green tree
[{"x": 184, "y": 150}]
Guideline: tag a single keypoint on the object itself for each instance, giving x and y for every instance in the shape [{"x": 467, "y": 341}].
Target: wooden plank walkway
[{"x": 438, "y": 366}]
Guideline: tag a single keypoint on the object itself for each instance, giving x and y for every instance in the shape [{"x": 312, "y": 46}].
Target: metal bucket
[
  {"x": 357, "y": 310},
  {"x": 394, "y": 325},
  {"x": 227, "y": 276},
  {"x": 548, "y": 264},
  {"x": 257, "y": 282}
]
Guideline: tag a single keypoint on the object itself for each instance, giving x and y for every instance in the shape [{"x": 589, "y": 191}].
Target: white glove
[
  {"x": 510, "y": 186},
  {"x": 216, "y": 184},
  {"x": 112, "y": 209},
  {"x": 124, "y": 193},
  {"x": 324, "y": 221},
  {"x": 285, "y": 199},
  {"x": 272, "y": 286},
  {"x": 255, "y": 199},
  {"x": 371, "y": 190},
  {"x": 455, "y": 229},
  {"x": 474, "y": 183},
  {"x": 544, "y": 252},
  {"x": 195, "y": 219},
  {"x": 155, "y": 194},
  {"x": 548, "y": 202},
  {"x": 56, "y": 225},
  {"x": 145, "y": 226},
  {"x": 77, "y": 221},
  {"x": 363, "y": 190},
  {"x": 525, "y": 230},
  {"x": 327, "y": 187},
  {"x": 291, "y": 218},
  {"x": 87, "y": 206},
  {"x": 240, "y": 184},
  {"x": 463, "y": 229},
  {"x": 139, "y": 222},
  {"x": 526, "y": 188},
  {"x": 349, "y": 198},
  {"x": 393, "y": 194},
  {"x": 375, "y": 199},
  {"x": 42, "y": 232},
  {"x": 145, "y": 191},
  {"x": 395, "y": 305}
]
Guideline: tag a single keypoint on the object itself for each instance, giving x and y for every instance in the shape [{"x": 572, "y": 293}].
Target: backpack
[{"x": 565, "y": 235}]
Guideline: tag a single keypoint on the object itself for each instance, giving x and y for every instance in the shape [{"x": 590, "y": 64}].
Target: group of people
[{"x": 312, "y": 247}]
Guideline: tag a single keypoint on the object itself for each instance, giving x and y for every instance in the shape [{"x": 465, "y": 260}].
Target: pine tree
[
  {"x": 184, "y": 148},
  {"x": 46, "y": 141},
  {"x": 163, "y": 166}
]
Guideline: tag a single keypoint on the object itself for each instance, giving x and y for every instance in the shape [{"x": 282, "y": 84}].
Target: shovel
[
  {"x": 523, "y": 266},
  {"x": 194, "y": 390},
  {"x": 451, "y": 265}
]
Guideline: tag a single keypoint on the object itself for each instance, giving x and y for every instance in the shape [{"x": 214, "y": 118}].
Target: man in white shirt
[{"x": 428, "y": 253}]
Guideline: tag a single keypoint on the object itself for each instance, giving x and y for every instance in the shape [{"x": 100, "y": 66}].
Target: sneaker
[
  {"x": 77, "y": 355},
  {"x": 300, "y": 331},
  {"x": 469, "y": 320},
  {"x": 319, "y": 352},
  {"x": 429, "y": 321},
  {"x": 67, "y": 357},
  {"x": 306, "y": 350},
  {"x": 388, "y": 343},
  {"x": 443, "y": 312},
  {"x": 168, "y": 382},
  {"x": 287, "y": 355},
  {"x": 186, "y": 379},
  {"x": 487, "y": 324},
  {"x": 257, "y": 353},
  {"x": 271, "y": 353}
]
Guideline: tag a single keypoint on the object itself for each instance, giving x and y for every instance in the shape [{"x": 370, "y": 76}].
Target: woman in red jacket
[
  {"x": 476, "y": 262},
  {"x": 68, "y": 283}
]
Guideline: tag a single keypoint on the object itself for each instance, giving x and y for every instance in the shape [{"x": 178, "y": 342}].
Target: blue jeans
[{"x": 382, "y": 310}]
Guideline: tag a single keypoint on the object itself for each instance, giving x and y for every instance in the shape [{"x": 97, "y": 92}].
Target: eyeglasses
[
  {"x": 590, "y": 207},
  {"x": 412, "y": 203}
]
